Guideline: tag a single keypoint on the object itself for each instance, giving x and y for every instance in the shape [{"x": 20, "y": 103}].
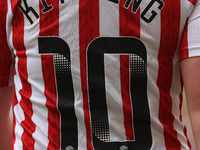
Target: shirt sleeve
[
  {"x": 6, "y": 65},
  {"x": 190, "y": 44}
]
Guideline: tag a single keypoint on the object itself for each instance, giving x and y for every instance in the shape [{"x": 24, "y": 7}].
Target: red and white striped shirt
[{"x": 97, "y": 74}]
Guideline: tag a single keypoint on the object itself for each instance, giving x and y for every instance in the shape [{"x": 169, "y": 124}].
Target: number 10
[{"x": 97, "y": 95}]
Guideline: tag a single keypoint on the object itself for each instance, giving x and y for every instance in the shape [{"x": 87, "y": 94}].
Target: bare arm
[
  {"x": 190, "y": 69},
  {"x": 6, "y": 95}
]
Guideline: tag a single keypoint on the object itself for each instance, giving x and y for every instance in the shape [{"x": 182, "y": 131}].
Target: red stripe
[
  {"x": 14, "y": 5},
  {"x": 14, "y": 103},
  {"x": 25, "y": 92},
  {"x": 89, "y": 29},
  {"x": 170, "y": 23},
  {"x": 129, "y": 21},
  {"x": 193, "y": 1},
  {"x": 5, "y": 54},
  {"x": 126, "y": 100},
  {"x": 129, "y": 26},
  {"x": 49, "y": 26},
  {"x": 184, "y": 45}
]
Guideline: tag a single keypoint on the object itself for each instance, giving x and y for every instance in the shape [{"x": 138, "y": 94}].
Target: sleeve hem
[{"x": 185, "y": 53}]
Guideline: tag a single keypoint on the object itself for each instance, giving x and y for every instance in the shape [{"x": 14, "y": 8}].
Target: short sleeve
[
  {"x": 190, "y": 44},
  {"x": 6, "y": 65}
]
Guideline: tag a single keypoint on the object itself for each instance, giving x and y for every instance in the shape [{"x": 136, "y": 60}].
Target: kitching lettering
[
  {"x": 135, "y": 6},
  {"x": 28, "y": 9}
]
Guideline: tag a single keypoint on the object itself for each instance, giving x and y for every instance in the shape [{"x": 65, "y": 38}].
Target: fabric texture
[{"x": 97, "y": 74}]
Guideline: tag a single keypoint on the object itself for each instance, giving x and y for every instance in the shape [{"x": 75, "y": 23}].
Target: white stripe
[
  {"x": 18, "y": 112},
  {"x": 70, "y": 32},
  {"x": 35, "y": 78},
  {"x": 114, "y": 98},
  {"x": 109, "y": 19},
  {"x": 150, "y": 35},
  {"x": 19, "y": 116}
]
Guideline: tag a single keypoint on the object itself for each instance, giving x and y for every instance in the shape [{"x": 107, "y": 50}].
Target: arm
[
  {"x": 190, "y": 69},
  {"x": 6, "y": 95}
]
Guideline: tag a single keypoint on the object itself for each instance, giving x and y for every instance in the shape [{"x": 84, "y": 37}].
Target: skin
[
  {"x": 190, "y": 69},
  {"x": 6, "y": 95}
]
